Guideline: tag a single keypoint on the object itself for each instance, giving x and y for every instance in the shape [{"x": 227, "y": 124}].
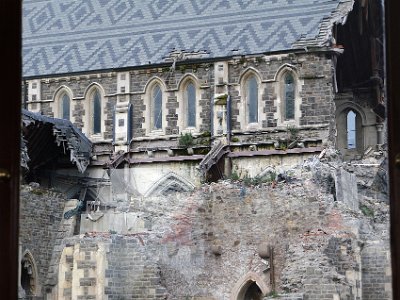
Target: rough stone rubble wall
[{"x": 203, "y": 244}]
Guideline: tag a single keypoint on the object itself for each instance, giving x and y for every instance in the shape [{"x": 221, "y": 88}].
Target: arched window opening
[
  {"x": 191, "y": 105},
  {"x": 351, "y": 130},
  {"x": 28, "y": 276},
  {"x": 289, "y": 94},
  {"x": 96, "y": 126},
  {"x": 252, "y": 99},
  {"x": 157, "y": 108},
  {"x": 65, "y": 107}
]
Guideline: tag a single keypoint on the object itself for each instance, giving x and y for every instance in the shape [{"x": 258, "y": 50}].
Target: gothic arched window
[
  {"x": 252, "y": 99},
  {"x": 289, "y": 96},
  {"x": 190, "y": 94},
  {"x": 156, "y": 115}
]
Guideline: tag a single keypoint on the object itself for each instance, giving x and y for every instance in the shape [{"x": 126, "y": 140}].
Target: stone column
[{"x": 122, "y": 112}]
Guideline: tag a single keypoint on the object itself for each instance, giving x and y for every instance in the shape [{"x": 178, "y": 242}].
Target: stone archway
[
  {"x": 250, "y": 291},
  {"x": 170, "y": 182},
  {"x": 250, "y": 287}
]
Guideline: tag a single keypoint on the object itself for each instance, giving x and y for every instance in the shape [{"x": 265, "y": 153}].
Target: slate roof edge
[{"x": 80, "y": 149}]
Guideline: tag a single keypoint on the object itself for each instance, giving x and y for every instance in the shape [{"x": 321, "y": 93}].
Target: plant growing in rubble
[
  {"x": 366, "y": 211},
  {"x": 234, "y": 176},
  {"x": 282, "y": 145},
  {"x": 186, "y": 140},
  {"x": 293, "y": 132},
  {"x": 38, "y": 192},
  {"x": 273, "y": 294}
]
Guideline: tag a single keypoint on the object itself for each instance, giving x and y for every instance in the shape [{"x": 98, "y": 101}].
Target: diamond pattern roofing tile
[{"x": 76, "y": 36}]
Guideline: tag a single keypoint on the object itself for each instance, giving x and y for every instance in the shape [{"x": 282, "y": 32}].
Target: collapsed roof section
[
  {"x": 325, "y": 35},
  {"x": 47, "y": 140},
  {"x": 71, "y": 36}
]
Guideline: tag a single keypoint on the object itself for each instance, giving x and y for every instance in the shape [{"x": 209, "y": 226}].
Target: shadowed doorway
[{"x": 250, "y": 291}]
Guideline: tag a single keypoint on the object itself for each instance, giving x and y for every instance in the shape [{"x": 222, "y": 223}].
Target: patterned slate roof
[{"x": 65, "y": 36}]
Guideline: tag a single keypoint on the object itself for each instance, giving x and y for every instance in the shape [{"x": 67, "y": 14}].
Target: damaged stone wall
[
  {"x": 206, "y": 244},
  {"x": 328, "y": 241},
  {"x": 371, "y": 174},
  {"x": 39, "y": 224}
]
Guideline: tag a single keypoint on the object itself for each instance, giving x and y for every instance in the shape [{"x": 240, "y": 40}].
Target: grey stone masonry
[
  {"x": 40, "y": 218},
  {"x": 65, "y": 230},
  {"x": 376, "y": 271},
  {"x": 131, "y": 272},
  {"x": 314, "y": 73},
  {"x": 172, "y": 81},
  {"x": 313, "y": 78}
]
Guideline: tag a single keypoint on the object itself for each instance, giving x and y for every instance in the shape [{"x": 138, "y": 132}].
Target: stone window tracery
[
  {"x": 94, "y": 112},
  {"x": 188, "y": 109},
  {"x": 250, "y": 108},
  {"x": 289, "y": 101},
  {"x": 155, "y": 112},
  {"x": 351, "y": 129},
  {"x": 62, "y": 103}
]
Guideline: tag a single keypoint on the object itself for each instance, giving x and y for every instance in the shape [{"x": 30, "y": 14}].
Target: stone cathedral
[{"x": 205, "y": 150}]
